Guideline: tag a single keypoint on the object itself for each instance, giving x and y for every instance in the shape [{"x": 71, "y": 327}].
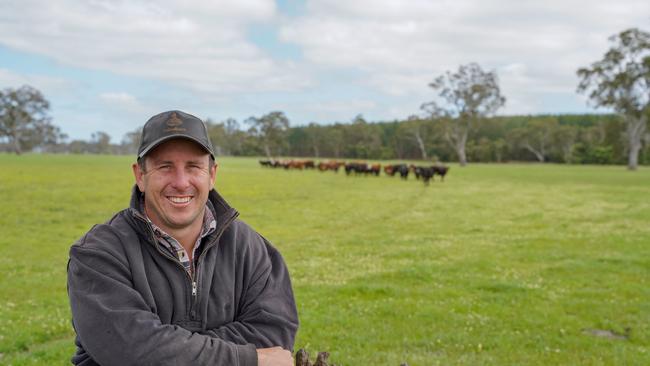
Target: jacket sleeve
[
  {"x": 267, "y": 314},
  {"x": 116, "y": 327}
]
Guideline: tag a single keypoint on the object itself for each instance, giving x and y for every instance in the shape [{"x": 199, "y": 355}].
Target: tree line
[
  {"x": 458, "y": 125},
  {"x": 574, "y": 139},
  {"x": 563, "y": 138}
]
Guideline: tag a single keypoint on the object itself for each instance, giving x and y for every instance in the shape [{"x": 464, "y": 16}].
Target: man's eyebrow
[
  {"x": 196, "y": 161},
  {"x": 161, "y": 162}
]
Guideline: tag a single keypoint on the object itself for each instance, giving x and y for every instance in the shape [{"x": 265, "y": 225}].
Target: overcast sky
[{"x": 109, "y": 65}]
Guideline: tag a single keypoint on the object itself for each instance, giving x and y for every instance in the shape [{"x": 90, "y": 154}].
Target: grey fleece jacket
[{"x": 134, "y": 304}]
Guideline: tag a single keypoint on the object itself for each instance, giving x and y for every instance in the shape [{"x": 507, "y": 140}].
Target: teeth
[{"x": 180, "y": 199}]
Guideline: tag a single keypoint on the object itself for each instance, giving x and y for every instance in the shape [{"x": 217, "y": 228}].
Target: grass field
[{"x": 499, "y": 265}]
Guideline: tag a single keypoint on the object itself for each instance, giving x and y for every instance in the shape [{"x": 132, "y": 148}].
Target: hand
[{"x": 275, "y": 356}]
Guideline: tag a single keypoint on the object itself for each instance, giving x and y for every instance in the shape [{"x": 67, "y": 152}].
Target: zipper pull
[{"x": 194, "y": 288}]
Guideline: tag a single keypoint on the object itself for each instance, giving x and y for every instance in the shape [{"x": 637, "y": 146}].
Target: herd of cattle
[{"x": 425, "y": 173}]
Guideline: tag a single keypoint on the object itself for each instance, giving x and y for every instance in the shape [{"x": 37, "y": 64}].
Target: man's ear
[
  {"x": 138, "y": 173},
  {"x": 213, "y": 173}
]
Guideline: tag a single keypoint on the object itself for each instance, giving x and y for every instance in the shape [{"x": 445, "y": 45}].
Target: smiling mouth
[{"x": 177, "y": 199}]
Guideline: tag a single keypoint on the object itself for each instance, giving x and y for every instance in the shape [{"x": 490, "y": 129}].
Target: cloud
[
  {"x": 200, "y": 46},
  {"x": 46, "y": 84},
  {"x": 341, "y": 110},
  {"x": 345, "y": 106},
  {"x": 398, "y": 47},
  {"x": 121, "y": 100}
]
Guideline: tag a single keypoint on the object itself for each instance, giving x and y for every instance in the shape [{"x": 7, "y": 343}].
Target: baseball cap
[{"x": 173, "y": 124}]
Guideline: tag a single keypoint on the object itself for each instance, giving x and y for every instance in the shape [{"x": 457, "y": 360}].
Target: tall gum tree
[
  {"x": 621, "y": 81},
  {"x": 464, "y": 98}
]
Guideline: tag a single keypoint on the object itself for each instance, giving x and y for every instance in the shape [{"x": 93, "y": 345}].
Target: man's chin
[{"x": 179, "y": 224}]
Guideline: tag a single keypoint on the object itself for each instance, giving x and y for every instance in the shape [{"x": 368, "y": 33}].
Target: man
[{"x": 177, "y": 279}]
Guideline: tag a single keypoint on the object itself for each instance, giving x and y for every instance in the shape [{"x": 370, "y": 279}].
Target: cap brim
[{"x": 169, "y": 137}]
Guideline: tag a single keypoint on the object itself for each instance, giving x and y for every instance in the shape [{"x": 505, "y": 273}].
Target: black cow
[
  {"x": 424, "y": 172},
  {"x": 356, "y": 168},
  {"x": 403, "y": 170},
  {"x": 441, "y": 170},
  {"x": 416, "y": 171}
]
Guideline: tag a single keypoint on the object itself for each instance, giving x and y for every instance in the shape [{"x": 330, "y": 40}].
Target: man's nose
[{"x": 180, "y": 179}]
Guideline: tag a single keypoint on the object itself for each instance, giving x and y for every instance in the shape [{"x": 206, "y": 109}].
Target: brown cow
[
  {"x": 330, "y": 165},
  {"x": 389, "y": 170},
  {"x": 374, "y": 169}
]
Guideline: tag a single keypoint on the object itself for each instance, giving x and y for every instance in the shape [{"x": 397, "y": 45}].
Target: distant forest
[
  {"x": 565, "y": 138},
  {"x": 576, "y": 139}
]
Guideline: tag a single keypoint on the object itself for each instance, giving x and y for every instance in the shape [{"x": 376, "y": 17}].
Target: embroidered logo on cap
[{"x": 174, "y": 124}]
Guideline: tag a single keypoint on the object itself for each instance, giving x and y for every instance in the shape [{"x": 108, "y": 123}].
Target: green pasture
[{"x": 499, "y": 265}]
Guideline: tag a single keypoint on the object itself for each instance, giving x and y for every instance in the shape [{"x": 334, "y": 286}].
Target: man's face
[{"x": 176, "y": 184}]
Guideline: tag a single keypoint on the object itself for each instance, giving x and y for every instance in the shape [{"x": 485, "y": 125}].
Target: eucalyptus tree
[
  {"x": 271, "y": 129},
  {"x": 464, "y": 98},
  {"x": 100, "y": 142},
  {"x": 621, "y": 81},
  {"x": 418, "y": 133},
  {"x": 24, "y": 118},
  {"x": 315, "y": 135},
  {"x": 218, "y": 136},
  {"x": 565, "y": 139},
  {"x": 536, "y": 137},
  {"x": 131, "y": 141},
  {"x": 362, "y": 139},
  {"x": 334, "y": 139}
]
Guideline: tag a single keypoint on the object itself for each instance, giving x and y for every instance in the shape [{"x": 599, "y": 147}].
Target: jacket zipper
[
  {"x": 194, "y": 301},
  {"x": 193, "y": 284},
  {"x": 193, "y": 279},
  {"x": 198, "y": 262}
]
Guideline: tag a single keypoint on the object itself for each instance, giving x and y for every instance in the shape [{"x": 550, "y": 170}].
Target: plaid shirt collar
[{"x": 174, "y": 247}]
